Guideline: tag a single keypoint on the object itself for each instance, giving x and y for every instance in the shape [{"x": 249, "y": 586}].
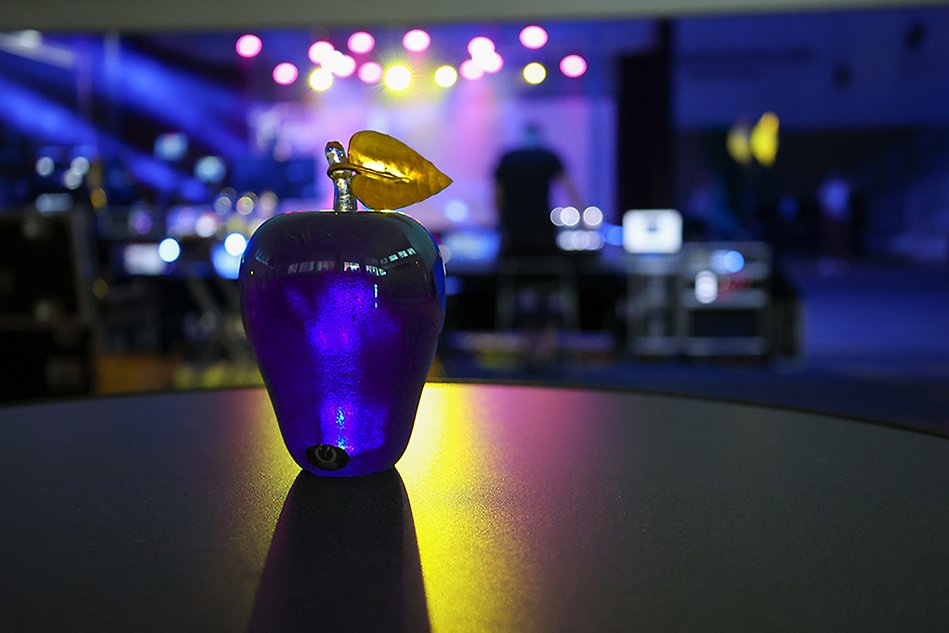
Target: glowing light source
[
  {"x": 470, "y": 70},
  {"x": 489, "y": 62},
  {"x": 321, "y": 79},
  {"x": 370, "y": 73},
  {"x": 556, "y": 216},
  {"x": 206, "y": 225},
  {"x": 416, "y": 40},
  {"x": 534, "y": 73},
  {"x": 446, "y": 76},
  {"x": 340, "y": 64},
  {"x": 592, "y": 216},
  {"x": 737, "y": 143},
  {"x": 456, "y": 210},
  {"x": 479, "y": 46},
  {"x": 398, "y": 78},
  {"x": 764, "y": 139},
  {"x": 319, "y": 51},
  {"x": 533, "y": 37},
  {"x": 573, "y": 66},
  {"x": 706, "y": 286},
  {"x": 361, "y": 42},
  {"x": 169, "y": 250},
  {"x": 234, "y": 244},
  {"x": 570, "y": 216},
  {"x": 285, "y": 73},
  {"x": 249, "y": 45},
  {"x": 45, "y": 166}
]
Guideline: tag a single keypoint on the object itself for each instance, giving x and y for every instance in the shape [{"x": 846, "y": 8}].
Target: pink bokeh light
[
  {"x": 480, "y": 45},
  {"x": 416, "y": 41},
  {"x": 319, "y": 51},
  {"x": 533, "y": 37},
  {"x": 470, "y": 70},
  {"x": 490, "y": 62},
  {"x": 249, "y": 45},
  {"x": 361, "y": 42},
  {"x": 370, "y": 73},
  {"x": 285, "y": 73},
  {"x": 573, "y": 66}
]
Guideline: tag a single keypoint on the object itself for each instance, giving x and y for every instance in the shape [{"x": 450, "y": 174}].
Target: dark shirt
[{"x": 524, "y": 176}]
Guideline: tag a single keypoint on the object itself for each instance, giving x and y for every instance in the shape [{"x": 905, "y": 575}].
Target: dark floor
[{"x": 875, "y": 344}]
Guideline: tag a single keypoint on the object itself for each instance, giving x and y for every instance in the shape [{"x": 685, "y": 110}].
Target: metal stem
[{"x": 343, "y": 200}]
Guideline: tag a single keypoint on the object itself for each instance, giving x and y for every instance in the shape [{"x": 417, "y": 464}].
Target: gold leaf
[{"x": 389, "y": 173}]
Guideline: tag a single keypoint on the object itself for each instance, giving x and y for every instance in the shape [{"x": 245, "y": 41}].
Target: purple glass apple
[{"x": 343, "y": 309}]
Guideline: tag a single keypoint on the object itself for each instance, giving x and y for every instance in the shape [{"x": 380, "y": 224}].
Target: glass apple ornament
[{"x": 343, "y": 310}]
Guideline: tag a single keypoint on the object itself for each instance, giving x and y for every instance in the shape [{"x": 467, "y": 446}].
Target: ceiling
[{"x": 177, "y": 15}]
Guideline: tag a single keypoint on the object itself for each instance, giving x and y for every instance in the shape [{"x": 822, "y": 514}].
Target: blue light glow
[
  {"x": 169, "y": 250},
  {"x": 227, "y": 266}
]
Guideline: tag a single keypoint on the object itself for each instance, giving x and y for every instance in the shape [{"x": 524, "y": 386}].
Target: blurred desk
[{"x": 514, "y": 509}]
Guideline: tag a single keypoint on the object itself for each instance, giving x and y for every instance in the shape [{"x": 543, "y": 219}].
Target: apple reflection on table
[{"x": 344, "y": 557}]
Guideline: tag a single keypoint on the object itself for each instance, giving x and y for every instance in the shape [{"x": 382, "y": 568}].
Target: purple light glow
[
  {"x": 361, "y": 42},
  {"x": 533, "y": 37},
  {"x": 416, "y": 41},
  {"x": 285, "y": 73},
  {"x": 249, "y": 45},
  {"x": 573, "y": 66}
]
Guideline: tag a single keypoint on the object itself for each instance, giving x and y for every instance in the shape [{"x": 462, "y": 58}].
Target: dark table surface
[{"x": 514, "y": 509}]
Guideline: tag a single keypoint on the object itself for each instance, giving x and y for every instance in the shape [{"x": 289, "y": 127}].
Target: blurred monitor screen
[{"x": 657, "y": 231}]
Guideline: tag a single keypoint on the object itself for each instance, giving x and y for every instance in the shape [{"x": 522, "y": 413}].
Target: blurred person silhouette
[{"x": 522, "y": 186}]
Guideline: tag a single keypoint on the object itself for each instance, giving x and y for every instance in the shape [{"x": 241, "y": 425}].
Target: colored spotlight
[
  {"x": 321, "y": 79},
  {"x": 416, "y": 40},
  {"x": 570, "y": 216},
  {"x": 319, "y": 51},
  {"x": 361, "y": 42},
  {"x": 234, "y": 244},
  {"x": 285, "y": 73},
  {"x": 169, "y": 250},
  {"x": 534, "y": 73},
  {"x": 533, "y": 37},
  {"x": 490, "y": 62},
  {"x": 479, "y": 46},
  {"x": 370, "y": 73},
  {"x": 340, "y": 65},
  {"x": 573, "y": 66},
  {"x": 446, "y": 76},
  {"x": 592, "y": 216},
  {"x": 249, "y": 45},
  {"x": 470, "y": 70},
  {"x": 398, "y": 78}
]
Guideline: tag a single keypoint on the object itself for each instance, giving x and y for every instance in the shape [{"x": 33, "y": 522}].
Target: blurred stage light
[
  {"x": 573, "y": 66},
  {"x": 446, "y": 76},
  {"x": 534, "y": 73},
  {"x": 319, "y": 51},
  {"x": 570, "y": 216},
  {"x": 249, "y": 45},
  {"x": 533, "y": 37},
  {"x": 320, "y": 79},
  {"x": 225, "y": 265},
  {"x": 398, "y": 78},
  {"x": 763, "y": 140},
  {"x": 727, "y": 262},
  {"x": 285, "y": 73},
  {"x": 340, "y": 64},
  {"x": 556, "y": 216},
  {"x": 206, "y": 225},
  {"x": 80, "y": 165},
  {"x": 456, "y": 211},
  {"x": 416, "y": 40},
  {"x": 45, "y": 166},
  {"x": 361, "y": 42},
  {"x": 706, "y": 287},
  {"x": 470, "y": 70},
  {"x": 479, "y": 46},
  {"x": 737, "y": 143},
  {"x": 169, "y": 250},
  {"x": 245, "y": 204},
  {"x": 370, "y": 73},
  {"x": 592, "y": 216},
  {"x": 234, "y": 244},
  {"x": 72, "y": 179},
  {"x": 490, "y": 62}
]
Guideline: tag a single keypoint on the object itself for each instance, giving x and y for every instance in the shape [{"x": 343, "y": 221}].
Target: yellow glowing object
[
  {"x": 388, "y": 173},
  {"x": 398, "y": 78},
  {"x": 737, "y": 143},
  {"x": 534, "y": 73},
  {"x": 446, "y": 76},
  {"x": 764, "y": 139},
  {"x": 321, "y": 79}
]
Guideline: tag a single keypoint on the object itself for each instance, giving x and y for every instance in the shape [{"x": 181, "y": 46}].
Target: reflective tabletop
[{"x": 515, "y": 508}]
